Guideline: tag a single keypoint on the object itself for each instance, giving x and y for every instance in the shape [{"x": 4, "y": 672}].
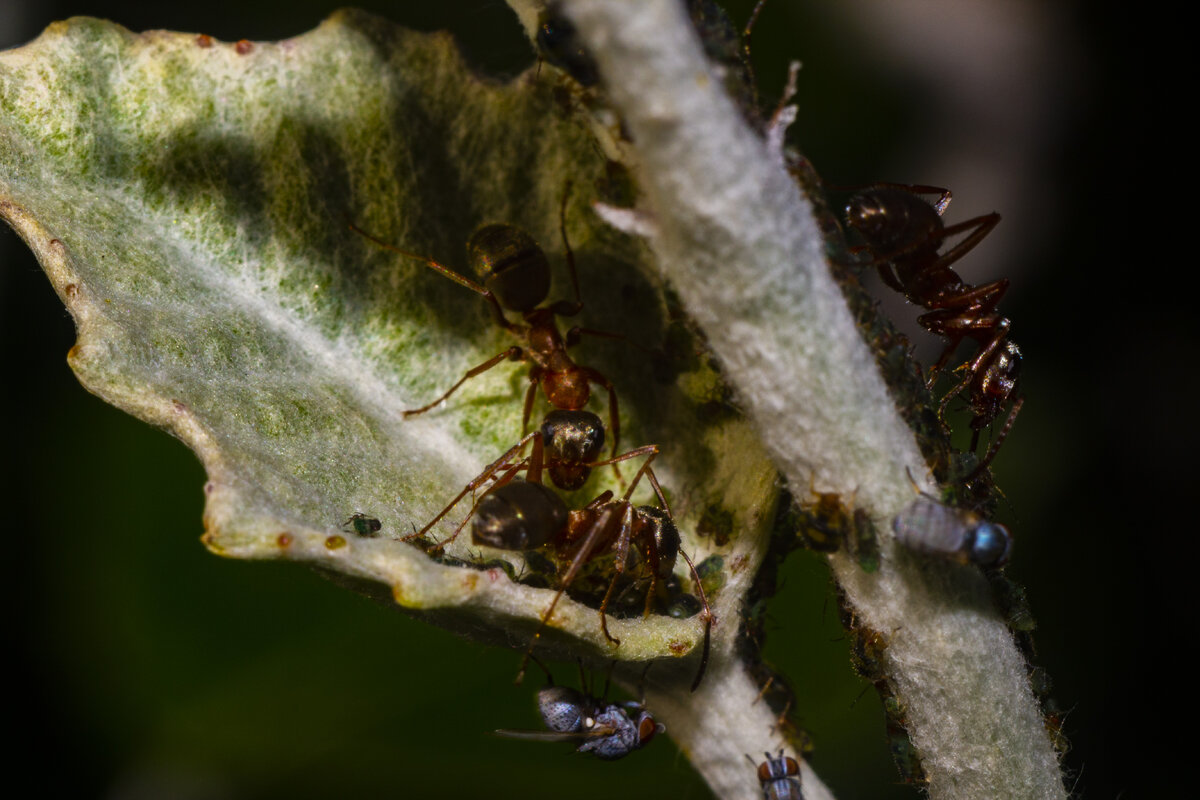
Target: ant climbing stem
[
  {"x": 903, "y": 234},
  {"x": 515, "y": 277}
]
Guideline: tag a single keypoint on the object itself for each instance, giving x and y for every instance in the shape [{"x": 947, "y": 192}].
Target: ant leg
[
  {"x": 622, "y": 556},
  {"x": 614, "y": 411},
  {"x": 708, "y": 621},
  {"x": 750, "y": 23},
  {"x": 649, "y": 449},
  {"x": 600, "y": 500},
  {"x": 476, "y": 482},
  {"x": 999, "y": 440},
  {"x": 549, "y": 677},
  {"x": 763, "y": 692},
  {"x": 564, "y": 308},
  {"x": 441, "y": 269},
  {"x": 939, "y": 205},
  {"x": 982, "y": 227},
  {"x": 598, "y": 531},
  {"x": 950, "y": 395},
  {"x": 511, "y": 354},
  {"x": 530, "y": 396},
  {"x": 943, "y": 360}
]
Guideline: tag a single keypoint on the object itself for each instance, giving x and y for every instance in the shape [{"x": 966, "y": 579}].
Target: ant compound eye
[{"x": 991, "y": 545}]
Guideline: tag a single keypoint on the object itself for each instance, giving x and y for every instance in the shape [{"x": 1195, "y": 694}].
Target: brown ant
[
  {"x": 516, "y": 277},
  {"x": 570, "y": 443},
  {"x": 524, "y": 514},
  {"x": 904, "y": 233}
]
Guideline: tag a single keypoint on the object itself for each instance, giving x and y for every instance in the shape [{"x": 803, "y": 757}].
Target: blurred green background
[{"x": 145, "y": 667}]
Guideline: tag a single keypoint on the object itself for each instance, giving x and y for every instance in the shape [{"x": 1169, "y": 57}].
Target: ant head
[
  {"x": 518, "y": 516},
  {"x": 511, "y": 265},
  {"x": 572, "y": 439}
]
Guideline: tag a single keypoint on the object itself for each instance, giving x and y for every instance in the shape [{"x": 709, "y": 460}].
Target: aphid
[
  {"x": 516, "y": 277},
  {"x": 362, "y": 525},
  {"x": 864, "y": 544},
  {"x": 904, "y": 233},
  {"x": 824, "y": 525},
  {"x": 607, "y": 730},
  {"x": 934, "y": 529},
  {"x": 780, "y": 777},
  {"x": 904, "y": 754}
]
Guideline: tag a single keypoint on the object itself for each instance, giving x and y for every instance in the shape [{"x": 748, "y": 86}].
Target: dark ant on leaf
[
  {"x": 904, "y": 235},
  {"x": 524, "y": 514},
  {"x": 607, "y": 730},
  {"x": 516, "y": 277},
  {"x": 779, "y": 776}
]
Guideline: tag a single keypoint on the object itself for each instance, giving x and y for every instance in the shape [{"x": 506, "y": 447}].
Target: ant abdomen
[
  {"x": 890, "y": 220},
  {"x": 666, "y": 539},
  {"x": 519, "y": 515},
  {"x": 573, "y": 438},
  {"x": 511, "y": 264}
]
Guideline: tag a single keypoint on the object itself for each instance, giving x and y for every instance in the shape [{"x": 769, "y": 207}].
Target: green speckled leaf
[{"x": 189, "y": 200}]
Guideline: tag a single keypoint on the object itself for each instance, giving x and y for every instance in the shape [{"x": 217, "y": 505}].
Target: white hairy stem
[{"x": 738, "y": 242}]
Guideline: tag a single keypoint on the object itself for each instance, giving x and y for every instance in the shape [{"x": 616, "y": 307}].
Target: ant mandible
[
  {"x": 904, "y": 233},
  {"x": 516, "y": 277}
]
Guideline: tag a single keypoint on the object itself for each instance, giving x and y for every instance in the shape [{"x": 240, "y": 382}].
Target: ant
[
  {"x": 904, "y": 233},
  {"x": 524, "y": 514},
  {"x": 570, "y": 441},
  {"x": 516, "y": 277},
  {"x": 779, "y": 776},
  {"x": 609, "y": 730}
]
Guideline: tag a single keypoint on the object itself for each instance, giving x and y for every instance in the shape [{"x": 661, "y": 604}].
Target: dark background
[{"x": 144, "y": 667}]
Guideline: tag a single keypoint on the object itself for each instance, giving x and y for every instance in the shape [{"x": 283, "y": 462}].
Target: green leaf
[{"x": 189, "y": 200}]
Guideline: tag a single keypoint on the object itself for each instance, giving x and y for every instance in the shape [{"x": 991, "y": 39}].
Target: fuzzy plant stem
[{"x": 739, "y": 243}]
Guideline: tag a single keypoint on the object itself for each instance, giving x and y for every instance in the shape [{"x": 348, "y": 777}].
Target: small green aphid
[
  {"x": 864, "y": 545},
  {"x": 362, "y": 525}
]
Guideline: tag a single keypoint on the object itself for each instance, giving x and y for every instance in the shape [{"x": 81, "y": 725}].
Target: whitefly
[{"x": 935, "y": 529}]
